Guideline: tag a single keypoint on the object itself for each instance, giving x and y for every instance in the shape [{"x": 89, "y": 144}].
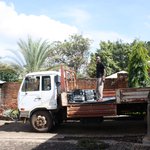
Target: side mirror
[
  {"x": 57, "y": 80},
  {"x": 26, "y": 83}
]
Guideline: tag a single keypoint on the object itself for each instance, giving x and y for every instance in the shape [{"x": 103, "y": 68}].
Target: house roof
[{"x": 114, "y": 76}]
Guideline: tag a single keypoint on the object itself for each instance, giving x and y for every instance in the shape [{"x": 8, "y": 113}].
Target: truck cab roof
[{"x": 44, "y": 73}]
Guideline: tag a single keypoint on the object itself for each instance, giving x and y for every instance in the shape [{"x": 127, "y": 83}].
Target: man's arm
[{"x": 104, "y": 75}]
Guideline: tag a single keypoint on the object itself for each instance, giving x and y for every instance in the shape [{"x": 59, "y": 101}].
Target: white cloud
[{"x": 14, "y": 26}]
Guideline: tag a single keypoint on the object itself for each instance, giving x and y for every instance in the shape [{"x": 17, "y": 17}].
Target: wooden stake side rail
[{"x": 68, "y": 80}]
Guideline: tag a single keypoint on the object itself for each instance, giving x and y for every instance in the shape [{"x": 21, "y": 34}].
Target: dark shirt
[{"x": 99, "y": 70}]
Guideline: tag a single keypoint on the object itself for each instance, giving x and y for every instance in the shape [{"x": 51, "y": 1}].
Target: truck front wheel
[{"x": 41, "y": 121}]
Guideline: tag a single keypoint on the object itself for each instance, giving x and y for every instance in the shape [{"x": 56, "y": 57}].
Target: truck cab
[{"x": 39, "y": 92}]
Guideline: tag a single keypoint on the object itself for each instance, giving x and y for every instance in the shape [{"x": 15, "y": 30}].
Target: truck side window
[
  {"x": 46, "y": 83},
  {"x": 31, "y": 84},
  {"x": 37, "y": 84}
]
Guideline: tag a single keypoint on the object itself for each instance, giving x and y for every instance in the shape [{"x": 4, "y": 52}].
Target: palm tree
[
  {"x": 31, "y": 55},
  {"x": 34, "y": 53}
]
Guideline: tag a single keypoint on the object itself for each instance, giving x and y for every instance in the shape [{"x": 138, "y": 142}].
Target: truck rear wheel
[{"x": 41, "y": 121}]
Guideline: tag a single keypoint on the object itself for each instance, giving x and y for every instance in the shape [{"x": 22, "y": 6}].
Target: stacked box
[
  {"x": 82, "y": 96},
  {"x": 90, "y": 95},
  {"x": 79, "y": 95}
]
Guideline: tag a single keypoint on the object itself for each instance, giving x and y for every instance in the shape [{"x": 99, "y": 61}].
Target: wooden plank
[
  {"x": 85, "y": 108},
  {"x": 132, "y": 95},
  {"x": 91, "y": 110},
  {"x": 135, "y": 93},
  {"x": 134, "y": 89},
  {"x": 79, "y": 115}
]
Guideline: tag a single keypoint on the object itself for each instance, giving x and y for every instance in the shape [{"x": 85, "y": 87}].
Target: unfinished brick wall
[
  {"x": 9, "y": 94},
  {"x": 9, "y": 90},
  {"x": 120, "y": 82}
]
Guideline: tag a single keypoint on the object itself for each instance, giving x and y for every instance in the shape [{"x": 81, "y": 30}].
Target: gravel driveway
[{"x": 110, "y": 135}]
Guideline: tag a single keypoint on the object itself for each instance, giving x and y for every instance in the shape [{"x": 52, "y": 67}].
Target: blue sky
[{"x": 99, "y": 20}]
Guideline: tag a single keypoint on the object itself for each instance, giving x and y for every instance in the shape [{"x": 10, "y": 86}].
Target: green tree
[
  {"x": 121, "y": 52},
  {"x": 34, "y": 53},
  {"x": 8, "y": 73},
  {"x": 138, "y": 65},
  {"x": 73, "y": 52},
  {"x": 114, "y": 55},
  {"x": 147, "y": 46},
  {"x": 106, "y": 54},
  {"x": 91, "y": 68}
]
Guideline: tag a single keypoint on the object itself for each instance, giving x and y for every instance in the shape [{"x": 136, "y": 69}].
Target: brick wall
[
  {"x": 110, "y": 83},
  {"x": 9, "y": 93}
]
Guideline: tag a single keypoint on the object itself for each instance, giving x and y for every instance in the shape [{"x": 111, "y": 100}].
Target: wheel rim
[{"x": 40, "y": 122}]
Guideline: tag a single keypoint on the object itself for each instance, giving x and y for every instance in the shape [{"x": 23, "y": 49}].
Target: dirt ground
[{"x": 121, "y": 134}]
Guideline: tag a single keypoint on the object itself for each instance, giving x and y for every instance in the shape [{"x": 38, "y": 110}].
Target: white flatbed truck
[{"x": 43, "y": 99}]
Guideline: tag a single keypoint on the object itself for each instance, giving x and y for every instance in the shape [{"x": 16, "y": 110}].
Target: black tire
[{"x": 41, "y": 121}]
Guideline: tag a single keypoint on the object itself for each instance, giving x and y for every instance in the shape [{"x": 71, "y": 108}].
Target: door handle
[{"x": 37, "y": 99}]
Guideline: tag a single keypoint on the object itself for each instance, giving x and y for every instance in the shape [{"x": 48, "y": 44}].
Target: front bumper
[{"x": 24, "y": 114}]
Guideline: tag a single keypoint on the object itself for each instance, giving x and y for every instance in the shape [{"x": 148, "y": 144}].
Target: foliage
[
  {"x": 30, "y": 57},
  {"x": 138, "y": 65},
  {"x": 72, "y": 52},
  {"x": 37, "y": 55},
  {"x": 34, "y": 53},
  {"x": 147, "y": 46},
  {"x": 8, "y": 73},
  {"x": 91, "y": 68},
  {"x": 121, "y": 52},
  {"x": 114, "y": 55},
  {"x": 12, "y": 114}
]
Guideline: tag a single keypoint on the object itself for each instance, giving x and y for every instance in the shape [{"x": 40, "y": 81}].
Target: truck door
[
  {"x": 48, "y": 92},
  {"x": 30, "y": 95}
]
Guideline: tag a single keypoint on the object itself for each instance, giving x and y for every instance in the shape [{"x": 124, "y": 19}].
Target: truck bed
[{"x": 114, "y": 103}]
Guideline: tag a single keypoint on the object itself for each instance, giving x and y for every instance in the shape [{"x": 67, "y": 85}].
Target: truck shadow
[
  {"x": 124, "y": 133},
  {"x": 117, "y": 126},
  {"x": 107, "y": 127}
]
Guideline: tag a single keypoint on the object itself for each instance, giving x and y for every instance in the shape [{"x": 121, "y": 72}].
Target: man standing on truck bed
[{"x": 100, "y": 75}]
